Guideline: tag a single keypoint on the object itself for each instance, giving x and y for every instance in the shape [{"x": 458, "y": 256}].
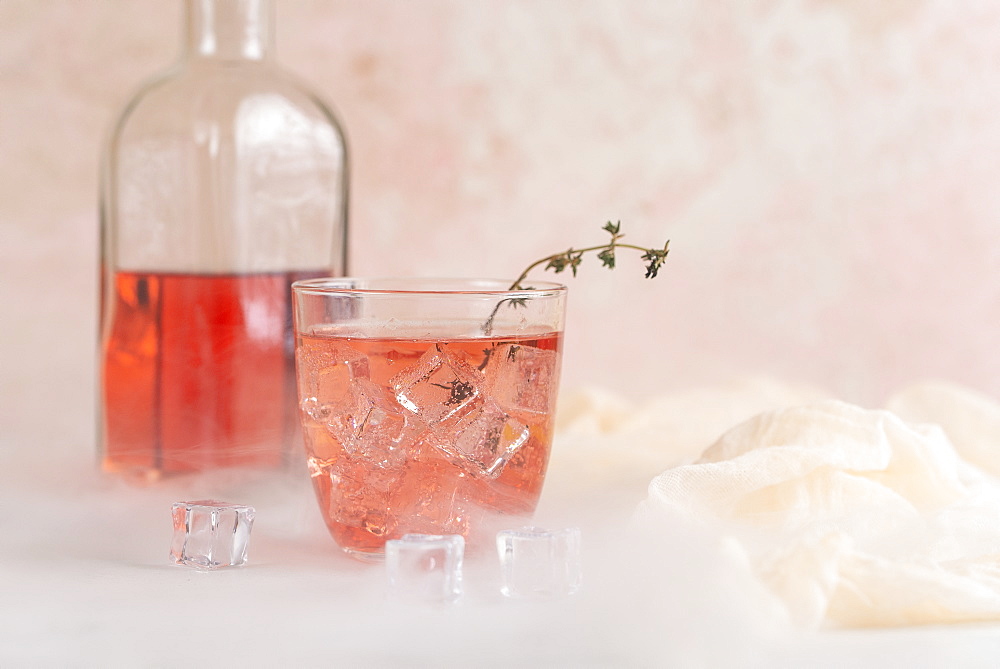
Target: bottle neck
[{"x": 228, "y": 30}]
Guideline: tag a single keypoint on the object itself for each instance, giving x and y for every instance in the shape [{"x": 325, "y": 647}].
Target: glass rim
[{"x": 425, "y": 286}]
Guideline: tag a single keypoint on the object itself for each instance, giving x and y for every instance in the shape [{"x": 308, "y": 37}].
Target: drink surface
[
  {"x": 425, "y": 435},
  {"x": 198, "y": 372}
]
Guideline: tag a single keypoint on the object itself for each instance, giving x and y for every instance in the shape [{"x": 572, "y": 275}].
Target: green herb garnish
[{"x": 571, "y": 258}]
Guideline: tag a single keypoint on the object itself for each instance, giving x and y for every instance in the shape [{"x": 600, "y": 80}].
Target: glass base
[{"x": 365, "y": 556}]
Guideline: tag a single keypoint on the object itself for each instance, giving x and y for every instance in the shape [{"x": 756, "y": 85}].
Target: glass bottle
[{"x": 223, "y": 181}]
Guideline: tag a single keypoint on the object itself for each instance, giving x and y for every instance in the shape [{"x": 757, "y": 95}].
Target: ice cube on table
[
  {"x": 438, "y": 387},
  {"x": 483, "y": 441},
  {"x": 522, "y": 378},
  {"x": 210, "y": 534},
  {"x": 538, "y": 562},
  {"x": 425, "y": 568},
  {"x": 325, "y": 378}
]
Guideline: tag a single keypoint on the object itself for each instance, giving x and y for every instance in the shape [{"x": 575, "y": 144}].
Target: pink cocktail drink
[{"x": 424, "y": 427}]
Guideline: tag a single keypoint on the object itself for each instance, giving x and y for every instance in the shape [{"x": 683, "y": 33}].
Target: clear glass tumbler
[{"x": 426, "y": 404}]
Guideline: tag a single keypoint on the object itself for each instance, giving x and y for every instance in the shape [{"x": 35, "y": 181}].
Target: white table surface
[{"x": 85, "y": 581}]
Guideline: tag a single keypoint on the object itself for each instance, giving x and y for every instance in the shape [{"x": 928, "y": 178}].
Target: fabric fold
[{"x": 850, "y": 516}]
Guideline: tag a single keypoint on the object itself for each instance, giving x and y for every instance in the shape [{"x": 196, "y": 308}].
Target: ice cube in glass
[
  {"x": 537, "y": 562},
  {"x": 326, "y": 378},
  {"x": 354, "y": 494},
  {"x": 438, "y": 387},
  {"x": 369, "y": 426},
  {"x": 483, "y": 441},
  {"x": 425, "y": 567},
  {"x": 520, "y": 378},
  {"x": 210, "y": 534}
]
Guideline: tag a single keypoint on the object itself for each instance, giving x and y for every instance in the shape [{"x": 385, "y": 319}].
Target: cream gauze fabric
[{"x": 854, "y": 517}]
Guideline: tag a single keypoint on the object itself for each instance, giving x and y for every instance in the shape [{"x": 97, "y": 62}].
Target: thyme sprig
[{"x": 571, "y": 259}]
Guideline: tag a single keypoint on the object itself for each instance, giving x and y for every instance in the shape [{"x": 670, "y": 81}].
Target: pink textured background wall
[{"x": 825, "y": 169}]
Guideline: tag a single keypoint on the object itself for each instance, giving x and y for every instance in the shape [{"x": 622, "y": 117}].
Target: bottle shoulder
[{"x": 223, "y": 94}]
